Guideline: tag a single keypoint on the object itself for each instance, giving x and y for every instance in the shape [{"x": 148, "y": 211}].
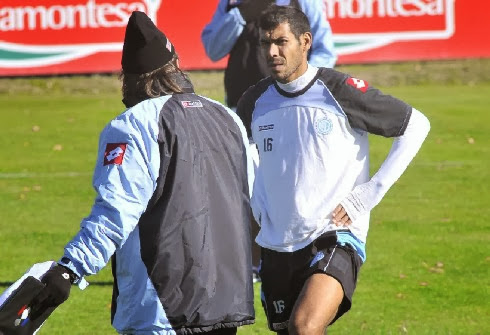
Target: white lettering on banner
[
  {"x": 356, "y": 9},
  {"x": 88, "y": 15},
  {"x": 360, "y": 39}
]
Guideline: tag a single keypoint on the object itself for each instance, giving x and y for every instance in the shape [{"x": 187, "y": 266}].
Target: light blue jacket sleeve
[
  {"x": 125, "y": 178},
  {"x": 322, "y": 51},
  {"x": 219, "y": 36}
]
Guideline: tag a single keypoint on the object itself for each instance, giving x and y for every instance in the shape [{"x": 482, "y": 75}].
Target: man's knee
[
  {"x": 307, "y": 328},
  {"x": 303, "y": 325}
]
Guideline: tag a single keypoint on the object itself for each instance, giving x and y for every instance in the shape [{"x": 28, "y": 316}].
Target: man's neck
[{"x": 299, "y": 83}]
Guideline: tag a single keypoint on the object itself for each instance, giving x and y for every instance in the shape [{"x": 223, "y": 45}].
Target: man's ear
[{"x": 306, "y": 40}]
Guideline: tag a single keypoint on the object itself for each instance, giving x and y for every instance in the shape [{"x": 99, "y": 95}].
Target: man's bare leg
[{"x": 316, "y": 306}]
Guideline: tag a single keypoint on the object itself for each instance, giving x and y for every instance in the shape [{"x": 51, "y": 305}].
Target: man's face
[{"x": 286, "y": 56}]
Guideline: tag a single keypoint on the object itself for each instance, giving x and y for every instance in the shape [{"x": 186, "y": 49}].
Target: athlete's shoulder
[
  {"x": 246, "y": 104},
  {"x": 146, "y": 108},
  {"x": 331, "y": 77},
  {"x": 255, "y": 91},
  {"x": 344, "y": 86}
]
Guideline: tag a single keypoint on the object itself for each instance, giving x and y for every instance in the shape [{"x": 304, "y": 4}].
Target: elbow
[
  {"x": 212, "y": 54},
  {"x": 210, "y": 51},
  {"x": 214, "y": 58}
]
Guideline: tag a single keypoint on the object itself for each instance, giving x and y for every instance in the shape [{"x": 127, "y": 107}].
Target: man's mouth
[{"x": 275, "y": 65}]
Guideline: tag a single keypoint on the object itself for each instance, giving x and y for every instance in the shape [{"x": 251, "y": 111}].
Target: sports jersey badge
[
  {"x": 360, "y": 84},
  {"x": 114, "y": 153},
  {"x": 323, "y": 126}
]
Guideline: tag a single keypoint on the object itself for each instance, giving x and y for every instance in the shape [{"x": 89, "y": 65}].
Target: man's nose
[{"x": 273, "y": 50}]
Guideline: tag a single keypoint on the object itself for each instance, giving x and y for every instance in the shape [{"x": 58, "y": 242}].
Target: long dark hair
[{"x": 162, "y": 81}]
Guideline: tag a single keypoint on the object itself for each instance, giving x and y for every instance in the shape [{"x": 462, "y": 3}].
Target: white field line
[{"x": 31, "y": 175}]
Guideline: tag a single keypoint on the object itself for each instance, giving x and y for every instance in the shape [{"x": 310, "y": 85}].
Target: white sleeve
[{"x": 365, "y": 197}]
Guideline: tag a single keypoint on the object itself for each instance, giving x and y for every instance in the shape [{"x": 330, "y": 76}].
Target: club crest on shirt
[
  {"x": 114, "y": 153},
  {"x": 323, "y": 126}
]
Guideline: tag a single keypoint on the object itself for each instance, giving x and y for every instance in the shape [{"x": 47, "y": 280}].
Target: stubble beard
[{"x": 289, "y": 71}]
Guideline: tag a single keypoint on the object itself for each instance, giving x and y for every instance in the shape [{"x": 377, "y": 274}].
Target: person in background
[
  {"x": 313, "y": 193},
  {"x": 172, "y": 205},
  {"x": 234, "y": 31}
]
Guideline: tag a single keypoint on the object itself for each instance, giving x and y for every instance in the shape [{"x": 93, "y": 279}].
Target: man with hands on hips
[{"x": 312, "y": 193}]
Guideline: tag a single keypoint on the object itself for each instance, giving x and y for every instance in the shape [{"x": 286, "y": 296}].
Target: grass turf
[{"x": 427, "y": 269}]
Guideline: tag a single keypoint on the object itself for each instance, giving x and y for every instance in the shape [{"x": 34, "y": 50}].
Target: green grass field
[{"x": 428, "y": 254}]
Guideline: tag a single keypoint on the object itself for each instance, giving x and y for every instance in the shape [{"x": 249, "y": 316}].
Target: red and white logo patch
[
  {"x": 195, "y": 103},
  {"x": 360, "y": 84},
  {"x": 114, "y": 153}
]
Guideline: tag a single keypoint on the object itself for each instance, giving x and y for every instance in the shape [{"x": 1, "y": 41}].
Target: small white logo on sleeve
[
  {"x": 114, "y": 154},
  {"x": 360, "y": 84}
]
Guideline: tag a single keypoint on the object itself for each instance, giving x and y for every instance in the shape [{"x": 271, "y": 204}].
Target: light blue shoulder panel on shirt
[{"x": 123, "y": 190}]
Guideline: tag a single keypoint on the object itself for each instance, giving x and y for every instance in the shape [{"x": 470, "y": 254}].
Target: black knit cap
[{"x": 145, "y": 47}]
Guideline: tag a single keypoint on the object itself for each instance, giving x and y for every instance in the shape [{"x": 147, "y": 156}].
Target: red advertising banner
[{"x": 43, "y": 37}]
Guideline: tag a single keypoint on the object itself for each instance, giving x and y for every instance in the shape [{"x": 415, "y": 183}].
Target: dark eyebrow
[{"x": 270, "y": 40}]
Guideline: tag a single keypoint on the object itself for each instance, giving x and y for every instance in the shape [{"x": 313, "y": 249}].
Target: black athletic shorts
[{"x": 283, "y": 275}]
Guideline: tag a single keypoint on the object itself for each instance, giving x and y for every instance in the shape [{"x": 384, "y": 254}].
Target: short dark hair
[
  {"x": 274, "y": 15},
  {"x": 162, "y": 81}
]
